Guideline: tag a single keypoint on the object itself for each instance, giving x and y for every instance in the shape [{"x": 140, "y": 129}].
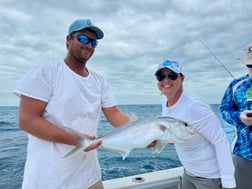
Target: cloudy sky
[{"x": 139, "y": 34}]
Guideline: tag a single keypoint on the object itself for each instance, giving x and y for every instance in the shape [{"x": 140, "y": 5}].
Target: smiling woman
[{"x": 210, "y": 140}]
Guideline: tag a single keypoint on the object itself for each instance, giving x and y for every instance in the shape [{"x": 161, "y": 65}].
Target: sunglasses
[
  {"x": 85, "y": 40},
  {"x": 170, "y": 75},
  {"x": 249, "y": 66}
]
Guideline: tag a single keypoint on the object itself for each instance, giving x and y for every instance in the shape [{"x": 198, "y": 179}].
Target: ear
[
  {"x": 182, "y": 77},
  {"x": 68, "y": 39}
]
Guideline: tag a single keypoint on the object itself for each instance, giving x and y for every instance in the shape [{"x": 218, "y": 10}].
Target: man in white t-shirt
[{"x": 59, "y": 94}]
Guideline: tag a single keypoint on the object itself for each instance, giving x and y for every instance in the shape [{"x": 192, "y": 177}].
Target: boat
[{"x": 164, "y": 179}]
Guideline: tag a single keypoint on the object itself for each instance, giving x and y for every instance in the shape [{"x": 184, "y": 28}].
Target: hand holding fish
[
  {"x": 93, "y": 146},
  {"x": 80, "y": 136},
  {"x": 153, "y": 144}
]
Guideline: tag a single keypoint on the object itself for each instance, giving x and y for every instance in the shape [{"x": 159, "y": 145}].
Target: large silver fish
[{"x": 139, "y": 134}]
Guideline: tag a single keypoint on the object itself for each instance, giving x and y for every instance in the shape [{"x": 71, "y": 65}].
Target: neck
[
  {"x": 173, "y": 99},
  {"x": 77, "y": 67}
]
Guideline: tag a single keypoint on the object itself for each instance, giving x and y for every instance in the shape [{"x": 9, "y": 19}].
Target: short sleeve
[
  {"x": 108, "y": 99},
  {"x": 37, "y": 83}
]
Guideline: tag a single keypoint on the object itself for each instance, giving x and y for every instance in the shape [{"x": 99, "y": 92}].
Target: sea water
[{"x": 13, "y": 144}]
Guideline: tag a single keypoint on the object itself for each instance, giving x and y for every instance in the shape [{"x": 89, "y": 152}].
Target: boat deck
[{"x": 165, "y": 179}]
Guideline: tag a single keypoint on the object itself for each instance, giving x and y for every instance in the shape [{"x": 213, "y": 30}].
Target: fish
[{"x": 138, "y": 134}]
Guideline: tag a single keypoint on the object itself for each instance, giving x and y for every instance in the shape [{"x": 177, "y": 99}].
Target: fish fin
[
  {"x": 159, "y": 147},
  {"x": 133, "y": 117},
  {"x": 124, "y": 154},
  {"x": 163, "y": 127},
  {"x": 73, "y": 152}
]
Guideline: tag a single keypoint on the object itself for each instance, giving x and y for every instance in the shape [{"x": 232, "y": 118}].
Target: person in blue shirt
[{"x": 236, "y": 109}]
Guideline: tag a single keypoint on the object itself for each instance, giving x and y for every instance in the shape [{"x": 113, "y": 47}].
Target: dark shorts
[
  {"x": 191, "y": 182},
  {"x": 243, "y": 172}
]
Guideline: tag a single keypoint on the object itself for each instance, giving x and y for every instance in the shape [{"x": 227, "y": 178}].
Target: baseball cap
[
  {"x": 170, "y": 64},
  {"x": 247, "y": 55},
  {"x": 81, "y": 24}
]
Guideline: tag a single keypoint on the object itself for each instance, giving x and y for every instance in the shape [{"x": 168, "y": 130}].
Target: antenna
[{"x": 217, "y": 59}]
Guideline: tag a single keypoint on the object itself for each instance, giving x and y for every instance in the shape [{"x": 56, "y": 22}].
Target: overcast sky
[{"x": 139, "y": 34}]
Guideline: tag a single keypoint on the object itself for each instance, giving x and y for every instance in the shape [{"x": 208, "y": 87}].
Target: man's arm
[
  {"x": 115, "y": 116},
  {"x": 31, "y": 121}
]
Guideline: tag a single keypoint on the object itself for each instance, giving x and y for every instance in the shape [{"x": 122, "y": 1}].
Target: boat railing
[{"x": 164, "y": 179}]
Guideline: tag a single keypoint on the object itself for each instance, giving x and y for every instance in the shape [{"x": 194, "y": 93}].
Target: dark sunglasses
[
  {"x": 85, "y": 40},
  {"x": 170, "y": 75},
  {"x": 249, "y": 66}
]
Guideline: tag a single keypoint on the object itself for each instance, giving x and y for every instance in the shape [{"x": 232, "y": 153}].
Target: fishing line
[{"x": 203, "y": 43}]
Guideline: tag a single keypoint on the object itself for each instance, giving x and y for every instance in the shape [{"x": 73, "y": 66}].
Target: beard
[{"x": 82, "y": 55}]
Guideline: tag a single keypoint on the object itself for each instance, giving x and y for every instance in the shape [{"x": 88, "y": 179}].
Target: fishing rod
[{"x": 211, "y": 52}]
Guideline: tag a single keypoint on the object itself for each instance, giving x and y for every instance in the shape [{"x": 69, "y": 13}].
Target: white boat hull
[{"x": 165, "y": 179}]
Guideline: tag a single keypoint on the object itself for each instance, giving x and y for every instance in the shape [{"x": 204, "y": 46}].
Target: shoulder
[
  {"x": 46, "y": 71},
  {"x": 239, "y": 80},
  {"x": 53, "y": 64},
  {"x": 235, "y": 84},
  {"x": 96, "y": 76},
  {"x": 195, "y": 102},
  {"x": 48, "y": 67},
  {"x": 192, "y": 98}
]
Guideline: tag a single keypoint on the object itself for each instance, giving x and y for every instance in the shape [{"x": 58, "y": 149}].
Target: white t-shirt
[
  {"x": 73, "y": 101},
  {"x": 208, "y": 154}
]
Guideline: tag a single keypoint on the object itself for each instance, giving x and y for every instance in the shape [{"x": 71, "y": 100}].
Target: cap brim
[
  {"x": 98, "y": 31},
  {"x": 238, "y": 60}
]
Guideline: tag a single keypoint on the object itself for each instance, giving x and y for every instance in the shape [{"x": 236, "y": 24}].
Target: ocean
[{"x": 13, "y": 144}]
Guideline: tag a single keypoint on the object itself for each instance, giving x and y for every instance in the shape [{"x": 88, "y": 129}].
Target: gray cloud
[{"x": 138, "y": 35}]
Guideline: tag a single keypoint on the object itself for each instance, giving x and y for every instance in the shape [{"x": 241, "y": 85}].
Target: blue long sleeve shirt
[{"x": 235, "y": 100}]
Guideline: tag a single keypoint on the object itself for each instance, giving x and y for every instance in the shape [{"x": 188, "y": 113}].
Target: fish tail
[
  {"x": 73, "y": 152},
  {"x": 84, "y": 142}
]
